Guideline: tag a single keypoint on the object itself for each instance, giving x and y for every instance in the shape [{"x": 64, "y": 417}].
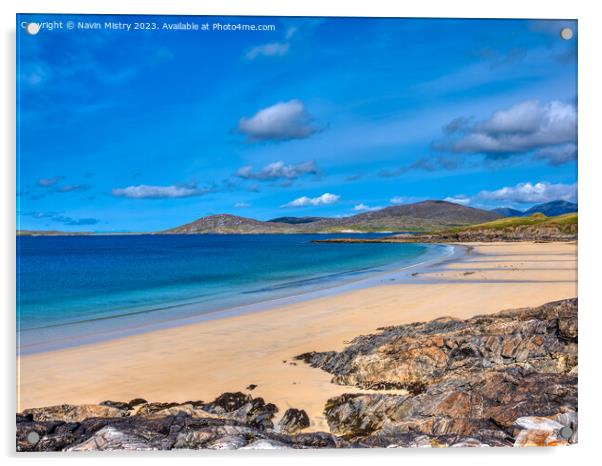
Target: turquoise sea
[{"x": 74, "y": 289}]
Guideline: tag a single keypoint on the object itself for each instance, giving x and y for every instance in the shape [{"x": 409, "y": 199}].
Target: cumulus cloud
[
  {"x": 398, "y": 200},
  {"x": 281, "y": 122},
  {"x": 532, "y": 193},
  {"x": 304, "y": 201},
  {"x": 144, "y": 191},
  {"x": 278, "y": 171},
  {"x": 547, "y": 129},
  {"x": 365, "y": 208},
  {"x": 460, "y": 199}
]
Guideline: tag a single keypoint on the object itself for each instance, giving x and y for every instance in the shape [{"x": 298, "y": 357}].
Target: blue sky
[{"x": 145, "y": 130}]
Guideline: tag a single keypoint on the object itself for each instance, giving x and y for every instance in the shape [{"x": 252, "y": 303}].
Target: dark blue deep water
[{"x": 110, "y": 282}]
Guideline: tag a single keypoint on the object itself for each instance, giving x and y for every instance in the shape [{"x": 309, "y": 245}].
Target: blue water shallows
[{"x": 73, "y": 287}]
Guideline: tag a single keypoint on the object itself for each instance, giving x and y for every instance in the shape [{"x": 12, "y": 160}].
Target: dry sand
[{"x": 202, "y": 360}]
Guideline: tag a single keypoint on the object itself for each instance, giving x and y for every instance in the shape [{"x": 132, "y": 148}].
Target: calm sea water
[{"x": 70, "y": 287}]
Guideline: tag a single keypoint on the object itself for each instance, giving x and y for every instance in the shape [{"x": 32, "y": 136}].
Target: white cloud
[
  {"x": 398, "y": 200},
  {"x": 460, "y": 199},
  {"x": 547, "y": 128},
  {"x": 242, "y": 205},
  {"x": 525, "y": 117},
  {"x": 277, "y": 171},
  {"x": 304, "y": 201},
  {"x": 273, "y": 49},
  {"x": 530, "y": 193},
  {"x": 158, "y": 192},
  {"x": 365, "y": 208},
  {"x": 280, "y": 122}
]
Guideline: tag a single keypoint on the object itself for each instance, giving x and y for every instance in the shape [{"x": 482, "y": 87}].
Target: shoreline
[
  {"x": 202, "y": 360},
  {"x": 395, "y": 271}
]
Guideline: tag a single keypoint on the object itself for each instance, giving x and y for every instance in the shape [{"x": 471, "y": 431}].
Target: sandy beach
[{"x": 202, "y": 360}]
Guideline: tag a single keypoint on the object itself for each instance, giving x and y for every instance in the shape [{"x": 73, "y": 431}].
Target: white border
[{"x": 590, "y": 199}]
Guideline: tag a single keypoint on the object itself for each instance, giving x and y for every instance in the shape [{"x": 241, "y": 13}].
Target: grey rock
[
  {"x": 293, "y": 420},
  {"x": 264, "y": 444},
  {"x": 109, "y": 439}
]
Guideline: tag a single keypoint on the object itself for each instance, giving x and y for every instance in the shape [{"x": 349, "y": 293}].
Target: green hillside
[{"x": 563, "y": 222}]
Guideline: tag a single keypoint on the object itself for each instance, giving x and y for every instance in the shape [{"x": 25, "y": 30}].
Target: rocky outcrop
[
  {"x": 232, "y": 421},
  {"x": 460, "y": 380}
]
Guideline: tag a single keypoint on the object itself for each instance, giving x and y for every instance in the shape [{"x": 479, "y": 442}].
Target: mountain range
[
  {"x": 549, "y": 209},
  {"x": 425, "y": 216},
  {"x": 421, "y": 216}
]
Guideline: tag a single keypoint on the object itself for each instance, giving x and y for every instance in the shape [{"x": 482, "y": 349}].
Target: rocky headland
[
  {"x": 536, "y": 227},
  {"x": 492, "y": 380}
]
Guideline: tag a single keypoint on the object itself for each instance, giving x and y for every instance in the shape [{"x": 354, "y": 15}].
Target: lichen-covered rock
[
  {"x": 414, "y": 356},
  {"x": 464, "y": 379}
]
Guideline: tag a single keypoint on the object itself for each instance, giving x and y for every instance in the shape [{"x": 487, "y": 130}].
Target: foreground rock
[
  {"x": 232, "y": 421},
  {"x": 460, "y": 382}
]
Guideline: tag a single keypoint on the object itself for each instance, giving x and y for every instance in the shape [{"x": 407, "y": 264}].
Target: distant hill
[
  {"x": 549, "y": 209},
  {"x": 421, "y": 216},
  {"x": 51, "y": 233},
  {"x": 446, "y": 212},
  {"x": 224, "y": 223},
  {"x": 508, "y": 212}
]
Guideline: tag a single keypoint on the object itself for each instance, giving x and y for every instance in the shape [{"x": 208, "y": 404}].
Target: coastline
[
  {"x": 127, "y": 324},
  {"x": 204, "y": 359}
]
